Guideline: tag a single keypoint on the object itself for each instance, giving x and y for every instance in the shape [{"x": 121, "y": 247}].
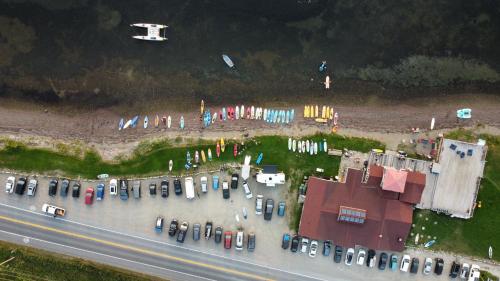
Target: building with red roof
[{"x": 374, "y": 211}]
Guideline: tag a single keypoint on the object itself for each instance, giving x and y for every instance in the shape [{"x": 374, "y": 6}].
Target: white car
[
  {"x": 361, "y": 257},
  {"x": 204, "y": 183},
  {"x": 113, "y": 187},
  {"x": 313, "y": 249},
  {"x": 427, "y": 266},
  {"x": 9, "y": 184},
  {"x": 405, "y": 263},
  {"x": 349, "y": 256},
  {"x": 464, "y": 272},
  {"x": 304, "y": 242},
  {"x": 248, "y": 192},
  {"x": 239, "y": 240},
  {"x": 258, "y": 204},
  {"x": 474, "y": 273},
  {"x": 32, "y": 187}
]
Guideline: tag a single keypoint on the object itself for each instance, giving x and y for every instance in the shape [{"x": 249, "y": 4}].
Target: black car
[
  {"x": 439, "y": 266},
  {"x": 455, "y": 270},
  {"x": 370, "y": 259},
  {"x": 337, "y": 255},
  {"x": 218, "y": 234},
  {"x": 225, "y": 190},
  {"x": 172, "y": 229},
  {"x": 76, "y": 190},
  {"x": 152, "y": 188},
  {"x": 251, "y": 242},
  {"x": 164, "y": 188},
  {"x": 20, "y": 186},
  {"x": 53, "y": 187},
  {"x": 382, "y": 262},
  {"x": 123, "y": 189},
  {"x": 268, "y": 213},
  {"x": 64, "y": 187},
  {"x": 208, "y": 229},
  {"x": 327, "y": 246},
  {"x": 234, "y": 181},
  {"x": 414, "y": 265},
  {"x": 295, "y": 244},
  {"x": 177, "y": 187}
]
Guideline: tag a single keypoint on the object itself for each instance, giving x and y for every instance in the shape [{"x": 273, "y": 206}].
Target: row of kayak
[
  {"x": 252, "y": 113},
  {"x": 323, "y": 112},
  {"x": 163, "y": 121},
  {"x": 307, "y": 146}
]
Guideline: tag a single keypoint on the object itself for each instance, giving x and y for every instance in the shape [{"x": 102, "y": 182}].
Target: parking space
[{"x": 137, "y": 217}]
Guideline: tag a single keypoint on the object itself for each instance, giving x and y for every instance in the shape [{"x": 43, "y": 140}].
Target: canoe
[
  {"x": 228, "y": 60},
  {"x": 182, "y": 122},
  {"x": 127, "y": 124},
  {"x": 242, "y": 112},
  {"x": 209, "y": 152},
  {"x": 202, "y": 107},
  {"x": 237, "y": 113},
  {"x": 222, "y": 145},
  {"x": 325, "y": 147},
  {"x": 170, "y": 165},
  {"x": 120, "y": 124},
  {"x": 134, "y": 121},
  {"x": 217, "y": 149},
  {"x": 294, "y": 145},
  {"x": 289, "y": 143},
  {"x": 157, "y": 121},
  {"x": 235, "y": 150},
  {"x": 196, "y": 157},
  {"x": 259, "y": 159},
  {"x": 307, "y": 145},
  {"x": 146, "y": 120},
  {"x": 203, "y": 158}
]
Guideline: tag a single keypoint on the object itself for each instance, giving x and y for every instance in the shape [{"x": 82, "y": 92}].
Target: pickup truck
[{"x": 53, "y": 210}]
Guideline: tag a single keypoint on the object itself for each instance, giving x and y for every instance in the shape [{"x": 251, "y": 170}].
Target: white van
[{"x": 189, "y": 185}]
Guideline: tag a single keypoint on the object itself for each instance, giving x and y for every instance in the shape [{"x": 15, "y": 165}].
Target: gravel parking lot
[{"x": 137, "y": 217}]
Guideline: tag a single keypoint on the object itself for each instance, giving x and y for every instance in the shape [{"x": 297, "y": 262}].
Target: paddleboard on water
[
  {"x": 127, "y": 124},
  {"x": 289, "y": 143},
  {"x": 169, "y": 122},
  {"x": 237, "y": 113},
  {"x": 325, "y": 147},
  {"x": 222, "y": 145},
  {"x": 157, "y": 121},
  {"x": 315, "y": 148},
  {"x": 203, "y": 158},
  {"x": 181, "y": 123},
  {"x": 294, "y": 145},
  {"x": 146, "y": 121},
  {"x": 170, "y": 165},
  {"x": 120, "y": 124},
  {"x": 209, "y": 154}
]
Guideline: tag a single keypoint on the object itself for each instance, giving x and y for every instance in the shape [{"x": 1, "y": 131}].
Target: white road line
[
  {"x": 108, "y": 256},
  {"x": 169, "y": 244}
]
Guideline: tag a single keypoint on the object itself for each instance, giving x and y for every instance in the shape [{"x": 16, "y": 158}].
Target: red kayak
[
  {"x": 248, "y": 113},
  {"x": 218, "y": 149},
  {"x": 235, "y": 150}
]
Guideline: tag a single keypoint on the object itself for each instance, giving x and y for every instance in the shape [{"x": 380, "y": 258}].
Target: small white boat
[
  {"x": 170, "y": 165},
  {"x": 289, "y": 143},
  {"x": 315, "y": 148},
  {"x": 169, "y": 122},
  {"x": 228, "y": 61},
  {"x": 154, "y": 32},
  {"x": 146, "y": 120},
  {"x": 325, "y": 147},
  {"x": 237, "y": 113},
  {"x": 127, "y": 124},
  {"x": 294, "y": 145}
]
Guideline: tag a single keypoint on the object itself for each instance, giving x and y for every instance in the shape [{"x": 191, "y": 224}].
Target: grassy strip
[
  {"x": 34, "y": 264},
  {"x": 473, "y": 236},
  {"x": 152, "y": 158}
]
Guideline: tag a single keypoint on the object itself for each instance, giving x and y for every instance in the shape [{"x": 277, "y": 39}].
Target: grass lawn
[
  {"x": 33, "y": 264},
  {"x": 474, "y": 236}
]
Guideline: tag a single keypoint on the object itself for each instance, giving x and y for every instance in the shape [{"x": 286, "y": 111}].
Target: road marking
[
  {"x": 109, "y": 256},
  {"x": 135, "y": 249}
]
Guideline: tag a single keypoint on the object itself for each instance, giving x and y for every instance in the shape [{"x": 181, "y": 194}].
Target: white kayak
[
  {"x": 264, "y": 116},
  {"x": 237, "y": 113},
  {"x": 311, "y": 149},
  {"x": 169, "y": 121},
  {"x": 146, "y": 121},
  {"x": 170, "y": 165},
  {"x": 307, "y": 145},
  {"x": 303, "y": 146},
  {"x": 127, "y": 124},
  {"x": 294, "y": 145},
  {"x": 252, "y": 112},
  {"x": 214, "y": 117},
  {"x": 315, "y": 148},
  {"x": 289, "y": 143},
  {"x": 325, "y": 148},
  {"x": 242, "y": 112}
]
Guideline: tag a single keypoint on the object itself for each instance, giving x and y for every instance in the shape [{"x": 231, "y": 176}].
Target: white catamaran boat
[{"x": 154, "y": 31}]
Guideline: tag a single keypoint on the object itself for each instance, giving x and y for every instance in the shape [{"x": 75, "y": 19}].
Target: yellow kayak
[
  {"x": 222, "y": 145},
  {"x": 203, "y": 156},
  {"x": 202, "y": 107}
]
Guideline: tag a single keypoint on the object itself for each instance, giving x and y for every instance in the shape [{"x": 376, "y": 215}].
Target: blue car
[
  {"x": 100, "y": 191},
  {"x": 285, "y": 242},
  {"x": 281, "y": 209},
  {"x": 215, "y": 182},
  {"x": 394, "y": 263}
]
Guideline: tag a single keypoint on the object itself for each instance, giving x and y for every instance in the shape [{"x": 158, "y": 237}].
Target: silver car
[
  {"x": 427, "y": 266},
  {"x": 32, "y": 187},
  {"x": 204, "y": 183},
  {"x": 248, "y": 192},
  {"x": 136, "y": 188},
  {"x": 9, "y": 185},
  {"x": 259, "y": 202}
]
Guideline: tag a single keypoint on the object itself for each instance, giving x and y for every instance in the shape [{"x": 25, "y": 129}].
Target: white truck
[
  {"x": 189, "y": 184},
  {"x": 53, "y": 210}
]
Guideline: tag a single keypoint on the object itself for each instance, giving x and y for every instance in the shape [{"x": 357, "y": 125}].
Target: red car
[
  {"x": 89, "y": 196},
  {"x": 228, "y": 238}
]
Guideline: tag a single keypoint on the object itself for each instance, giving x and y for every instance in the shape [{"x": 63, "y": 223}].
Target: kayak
[
  {"x": 120, "y": 125},
  {"x": 164, "y": 120},
  {"x": 203, "y": 158},
  {"x": 235, "y": 150},
  {"x": 196, "y": 157},
  {"x": 214, "y": 117},
  {"x": 217, "y": 149},
  {"x": 248, "y": 113},
  {"x": 209, "y": 154},
  {"x": 202, "y": 107},
  {"x": 134, "y": 121},
  {"x": 294, "y": 145},
  {"x": 146, "y": 120},
  {"x": 237, "y": 113},
  {"x": 228, "y": 60},
  {"x": 224, "y": 117},
  {"x": 289, "y": 143},
  {"x": 170, "y": 165},
  {"x": 242, "y": 112},
  {"x": 292, "y": 113},
  {"x": 157, "y": 121},
  {"x": 335, "y": 118},
  {"x": 222, "y": 145},
  {"x": 188, "y": 157},
  {"x": 127, "y": 124},
  {"x": 259, "y": 159},
  {"x": 325, "y": 148},
  {"x": 299, "y": 146},
  {"x": 182, "y": 122},
  {"x": 169, "y": 122}
]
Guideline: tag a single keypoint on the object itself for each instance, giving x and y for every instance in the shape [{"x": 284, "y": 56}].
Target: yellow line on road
[{"x": 135, "y": 249}]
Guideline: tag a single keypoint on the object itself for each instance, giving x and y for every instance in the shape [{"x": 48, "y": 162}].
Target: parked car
[
  {"x": 208, "y": 230},
  {"x": 258, "y": 204},
  {"x": 64, "y": 187},
  {"x": 405, "y": 263},
  {"x": 251, "y": 242},
  {"x": 189, "y": 187},
  {"x": 394, "y": 262},
  {"x": 371, "y": 258},
  {"x": 89, "y": 196},
  {"x": 268, "y": 212},
  {"x": 246, "y": 188},
  {"x": 475, "y": 273},
  {"x": 349, "y": 256},
  {"x": 136, "y": 189},
  {"x": 327, "y": 246},
  {"x": 164, "y": 188},
  {"x": 152, "y": 188},
  {"x": 123, "y": 189},
  {"x": 295, "y": 244},
  {"x": 285, "y": 241},
  {"x": 281, "y": 208},
  {"x": 100, "y": 191},
  {"x": 76, "y": 190},
  {"x": 438, "y": 269},
  {"x": 204, "y": 184},
  {"x": 414, "y": 265},
  {"x": 32, "y": 185},
  {"x": 228, "y": 238},
  {"x": 304, "y": 242},
  {"x": 234, "y": 181},
  {"x": 159, "y": 224},
  {"x": 464, "y": 272},
  {"x": 239, "y": 240},
  {"x": 53, "y": 187},
  {"x": 225, "y": 190},
  {"x": 177, "y": 187},
  {"x": 361, "y": 257},
  {"x": 172, "y": 229},
  {"x": 183, "y": 229},
  {"x": 313, "y": 248},
  {"x": 218, "y": 234},
  {"x": 9, "y": 184},
  {"x": 196, "y": 231},
  {"x": 455, "y": 270},
  {"x": 20, "y": 186},
  {"x": 427, "y": 266},
  {"x": 337, "y": 254},
  {"x": 215, "y": 182},
  {"x": 113, "y": 187},
  {"x": 382, "y": 262}
]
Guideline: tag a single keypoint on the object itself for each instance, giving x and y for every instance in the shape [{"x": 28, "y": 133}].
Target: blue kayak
[{"x": 259, "y": 159}]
